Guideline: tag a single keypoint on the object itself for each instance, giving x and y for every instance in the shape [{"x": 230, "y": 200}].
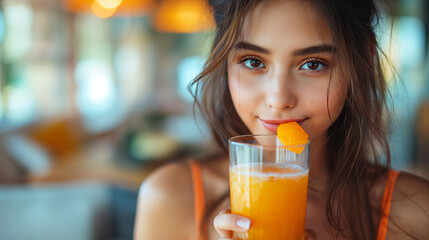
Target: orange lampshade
[
  {"x": 183, "y": 16},
  {"x": 108, "y": 8}
]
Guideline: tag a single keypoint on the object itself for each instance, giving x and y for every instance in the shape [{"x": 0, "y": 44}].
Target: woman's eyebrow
[
  {"x": 252, "y": 47},
  {"x": 313, "y": 50},
  {"x": 298, "y": 52}
]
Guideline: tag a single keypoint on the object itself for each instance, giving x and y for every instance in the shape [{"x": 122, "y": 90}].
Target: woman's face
[{"x": 283, "y": 69}]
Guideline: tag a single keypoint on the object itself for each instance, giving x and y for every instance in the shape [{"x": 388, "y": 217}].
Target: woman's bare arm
[
  {"x": 409, "y": 215},
  {"x": 164, "y": 208}
]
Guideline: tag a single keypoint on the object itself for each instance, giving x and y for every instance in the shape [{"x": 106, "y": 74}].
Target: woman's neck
[{"x": 319, "y": 174}]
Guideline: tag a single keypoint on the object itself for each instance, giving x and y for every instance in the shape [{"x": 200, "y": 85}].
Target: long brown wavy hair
[{"x": 357, "y": 145}]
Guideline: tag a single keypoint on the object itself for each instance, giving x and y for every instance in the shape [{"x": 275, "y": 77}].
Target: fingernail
[{"x": 243, "y": 223}]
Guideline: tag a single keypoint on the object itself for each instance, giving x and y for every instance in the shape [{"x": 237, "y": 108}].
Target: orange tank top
[
  {"x": 200, "y": 202},
  {"x": 385, "y": 204}
]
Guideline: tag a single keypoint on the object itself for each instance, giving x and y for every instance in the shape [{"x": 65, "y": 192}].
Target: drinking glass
[{"x": 268, "y": 185}]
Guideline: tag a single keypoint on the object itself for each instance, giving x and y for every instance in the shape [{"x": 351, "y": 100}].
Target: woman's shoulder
[
  {"x": 170, "y": 179},
  {"x": 412, "y": 185},
  {"x": 411, "y": 192},
  {"x": 165, "y": 199},
  {"x": 409, "y": 212}
]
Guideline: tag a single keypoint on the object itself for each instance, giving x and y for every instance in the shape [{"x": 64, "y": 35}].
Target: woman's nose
[{"x": 280, "y": 93}]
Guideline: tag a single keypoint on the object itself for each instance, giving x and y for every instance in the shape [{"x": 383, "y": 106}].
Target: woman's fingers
[
  {"x": 225, "y": 223},
  {"x": 224, "y": 234}
]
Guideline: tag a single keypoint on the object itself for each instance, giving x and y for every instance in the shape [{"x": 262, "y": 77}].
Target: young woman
[{"x": 316, "y": 62}]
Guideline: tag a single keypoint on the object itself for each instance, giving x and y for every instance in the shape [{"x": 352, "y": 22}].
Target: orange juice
[{"x": 273, "y": 197}]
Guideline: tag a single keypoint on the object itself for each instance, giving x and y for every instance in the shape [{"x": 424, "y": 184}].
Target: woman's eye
[
  {"x": 253, "y": 63},
  {"x": 313, "y": 65}
]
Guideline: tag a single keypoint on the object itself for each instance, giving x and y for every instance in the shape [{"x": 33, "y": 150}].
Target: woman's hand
[{"x": 226, "y": 223}]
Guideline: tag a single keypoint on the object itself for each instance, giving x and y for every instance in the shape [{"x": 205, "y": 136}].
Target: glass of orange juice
[{"x": 268, "y": 185}]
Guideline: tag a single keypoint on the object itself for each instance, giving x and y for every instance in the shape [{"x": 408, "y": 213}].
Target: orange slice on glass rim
[{"x": 292, "y": 134}]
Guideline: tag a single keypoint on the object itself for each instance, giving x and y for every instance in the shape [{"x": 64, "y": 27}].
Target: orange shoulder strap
[
  {"x": 199, "y": 199},
  {"x": 385, "y": 204}
]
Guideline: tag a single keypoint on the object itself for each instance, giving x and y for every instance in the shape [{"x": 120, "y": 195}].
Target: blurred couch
[
  {"x": 72, "y": 211},
  {"x": 11, "y": 172}
]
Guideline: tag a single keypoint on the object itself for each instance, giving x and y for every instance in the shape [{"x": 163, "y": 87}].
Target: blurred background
[{"x": 93, "y": 97}]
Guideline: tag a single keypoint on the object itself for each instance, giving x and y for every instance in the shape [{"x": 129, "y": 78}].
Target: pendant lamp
[
  {"x": 108, "y": 8},
  {"x": 183, "y": 16}
]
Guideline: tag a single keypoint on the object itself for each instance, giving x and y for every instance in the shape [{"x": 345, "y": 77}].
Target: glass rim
[{"x": 233, "y": 141}]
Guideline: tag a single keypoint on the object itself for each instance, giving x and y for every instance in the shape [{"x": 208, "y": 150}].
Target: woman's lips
[{"x": 271, "y": 125}]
